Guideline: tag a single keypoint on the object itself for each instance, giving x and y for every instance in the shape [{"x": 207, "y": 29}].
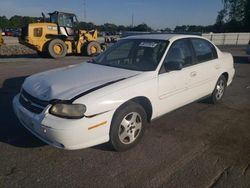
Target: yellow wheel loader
[
  {"x": 60, "y": 36},
  {"x": 1, "y": 38}
]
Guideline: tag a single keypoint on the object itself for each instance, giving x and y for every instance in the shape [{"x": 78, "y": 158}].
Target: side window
[
  {"x": 204, "y": 50},
  {"x": 180, "y": 52}
]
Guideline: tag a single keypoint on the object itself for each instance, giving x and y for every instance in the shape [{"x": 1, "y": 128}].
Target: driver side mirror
[{"x": 173, "y": 65}]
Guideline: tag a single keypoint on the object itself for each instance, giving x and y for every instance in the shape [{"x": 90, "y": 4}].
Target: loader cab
[{"x": 67, "y": 23}]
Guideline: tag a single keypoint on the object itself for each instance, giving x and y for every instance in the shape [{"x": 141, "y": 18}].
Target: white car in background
[{"x": 112, "y": 97}]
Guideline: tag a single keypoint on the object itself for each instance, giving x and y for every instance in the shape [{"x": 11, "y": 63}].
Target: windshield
[
  {"x": 133, "y": 54},
  {"x": 53, "y": 18},
  {"x": 65, "y": 20}
]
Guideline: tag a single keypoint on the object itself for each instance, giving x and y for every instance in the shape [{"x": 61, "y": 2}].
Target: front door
[{"x": 173, "y": 84}]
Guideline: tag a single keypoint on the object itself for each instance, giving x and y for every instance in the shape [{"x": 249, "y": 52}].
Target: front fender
[{"x": 103, "y": 101}]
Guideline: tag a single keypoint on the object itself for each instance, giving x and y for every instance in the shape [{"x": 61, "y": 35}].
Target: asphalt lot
[{"x": 199, "y": 145}]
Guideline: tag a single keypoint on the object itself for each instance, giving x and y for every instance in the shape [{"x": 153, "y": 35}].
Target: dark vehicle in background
[
  {"x": 12, "y": 32},
  {"x": 16, "y": 33},
  {"x": 8, "y": 32}
]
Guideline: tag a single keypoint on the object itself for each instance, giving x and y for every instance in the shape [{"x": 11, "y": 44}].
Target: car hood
[{"x": 66, "y": 83}]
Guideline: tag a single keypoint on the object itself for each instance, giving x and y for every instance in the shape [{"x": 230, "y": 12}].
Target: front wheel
[
  {"x": 128, "y": 126},
  {"x": 219, "y": 90},
  {"x": 93, "y": 48}
]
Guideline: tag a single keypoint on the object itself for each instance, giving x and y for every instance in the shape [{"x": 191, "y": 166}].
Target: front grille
[{"x": 31, "y": 103}]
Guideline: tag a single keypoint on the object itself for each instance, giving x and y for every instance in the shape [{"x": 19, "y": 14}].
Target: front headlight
[{"x": 71, "y": 111}]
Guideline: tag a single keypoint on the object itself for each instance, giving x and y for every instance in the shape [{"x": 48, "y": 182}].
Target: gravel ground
[
  {"x": 15, "y": 50},
  {"x": 12, "y": 48},
  {"x": 199, "y": 145}
]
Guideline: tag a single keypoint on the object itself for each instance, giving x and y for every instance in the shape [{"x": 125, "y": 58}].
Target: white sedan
[{"x": 113, "y": 97}]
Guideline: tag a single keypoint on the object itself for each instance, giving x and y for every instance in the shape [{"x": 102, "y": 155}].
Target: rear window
[{"x": 204, "y": 50}]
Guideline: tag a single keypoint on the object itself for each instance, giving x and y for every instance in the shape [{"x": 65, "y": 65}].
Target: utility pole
[
  {"x": 132, "y": 20},
  {"x": 84, "y": 11}
]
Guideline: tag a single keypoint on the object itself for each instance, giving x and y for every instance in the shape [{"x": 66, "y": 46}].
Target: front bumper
[{"x": 64, "y": 133}]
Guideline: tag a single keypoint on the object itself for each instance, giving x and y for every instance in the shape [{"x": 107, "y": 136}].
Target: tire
[
  {"x": 93, "y": 48},
  {"x": 219, "y": 90},
  {"x": 57, "y": 48},
  {"x": 128, "y": 126}
]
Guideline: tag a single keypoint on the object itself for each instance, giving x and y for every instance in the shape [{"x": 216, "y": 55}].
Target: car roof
[{"x": 162, "y": 36}]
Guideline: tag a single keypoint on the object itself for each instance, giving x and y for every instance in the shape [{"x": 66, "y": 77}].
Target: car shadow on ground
[{"x": 11, "y": 131}]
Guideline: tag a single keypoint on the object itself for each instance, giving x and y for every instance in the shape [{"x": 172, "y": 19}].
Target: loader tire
[
  {"x": 93, "y": 48},
  {"x": 57, "y": 48}
]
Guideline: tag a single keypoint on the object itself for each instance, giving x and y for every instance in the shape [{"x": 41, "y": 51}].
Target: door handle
[{"x": 193, "y": 74}]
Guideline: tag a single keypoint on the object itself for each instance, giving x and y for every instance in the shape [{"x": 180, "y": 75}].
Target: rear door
[{"x": 205, "y": 72}]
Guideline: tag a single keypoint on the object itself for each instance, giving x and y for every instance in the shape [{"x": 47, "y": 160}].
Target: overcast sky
[{"x": 156, "y": 13}]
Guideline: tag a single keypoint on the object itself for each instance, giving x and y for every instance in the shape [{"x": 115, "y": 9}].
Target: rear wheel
[
  {"x": 57, "y": 48},
  {"x": 128, "y": 126},
  {"x": 93, "y": 48},
  {"x": 219, "y": 90}
]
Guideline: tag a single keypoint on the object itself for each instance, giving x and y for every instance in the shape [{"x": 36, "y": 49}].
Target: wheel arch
[
  {"x": 225, "y": 74},
  {"x": 51, "y": 37},
  {"x": 142, "y": 101}
]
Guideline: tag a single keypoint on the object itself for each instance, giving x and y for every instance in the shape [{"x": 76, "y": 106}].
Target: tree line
[
  {"x": 234, "y": 17},
  {"x": 19, "y": 21}
]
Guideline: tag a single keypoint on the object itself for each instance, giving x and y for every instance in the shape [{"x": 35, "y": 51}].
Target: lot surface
[{"x": 199, "y": 145}]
